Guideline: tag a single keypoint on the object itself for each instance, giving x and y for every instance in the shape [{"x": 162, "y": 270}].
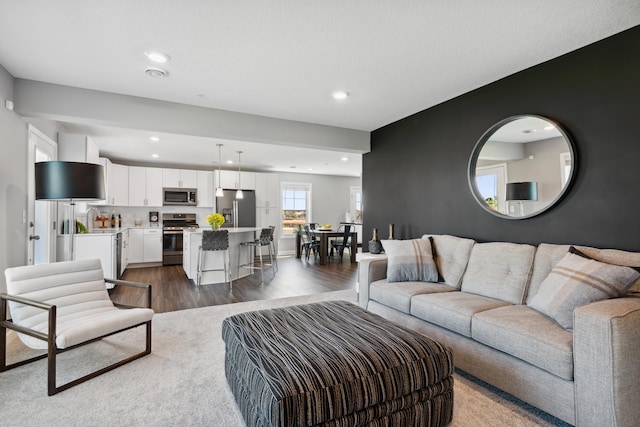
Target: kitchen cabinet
[
  {"x": 144, "y": 245},
  {"x": 152, "y": 243},
  {"x": 179, "y": 178},
  {"x": 267, "y": 190},
  {"x": 205, "y": 189},
  {"x": 77, "y": 148},
  {"x": 116, "y": 183},
  {"x": 125, "y": 251},
  {"x": 136, "y": 245},
  {"x": 229, "y": 180},
  {"x": 89, "y": 246},
  {"x": 145, "y": 186}
]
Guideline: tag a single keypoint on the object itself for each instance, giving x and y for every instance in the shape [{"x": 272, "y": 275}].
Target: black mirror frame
[{"x": 473, "y": 160}]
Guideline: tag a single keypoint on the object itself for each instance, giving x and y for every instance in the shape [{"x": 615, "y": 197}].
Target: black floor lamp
[{"x": 69, "y": 182}]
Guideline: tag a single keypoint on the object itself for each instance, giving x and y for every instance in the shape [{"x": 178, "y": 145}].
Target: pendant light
[
  {"x": 219, "y": 191},
  {"x": 239, "y": 194}
]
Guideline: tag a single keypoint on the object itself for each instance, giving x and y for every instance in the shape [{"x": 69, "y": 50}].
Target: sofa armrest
[
  {"x": 369, "y": 270},
  {"x": 606, "y": 346}
]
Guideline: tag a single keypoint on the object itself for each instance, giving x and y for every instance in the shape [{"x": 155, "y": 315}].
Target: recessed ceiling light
[
  {"x": 229, "y": 162},
  {"x": 344, "y": 159},
  {"x": 550, "y": 127},
  {"x": 156, "y": 72},
  {"x": 155, "y": 156},
  {"x": 528, "y": 131},
  {"x": 154, "y": 138},
  {"x": 292, "y": 167},
  {"x": 340, "y": 94},
  {"x": 157, "y": 56}
]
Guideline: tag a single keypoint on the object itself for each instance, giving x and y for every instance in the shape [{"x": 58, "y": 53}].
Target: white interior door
[{"x": 41, "y": 247}]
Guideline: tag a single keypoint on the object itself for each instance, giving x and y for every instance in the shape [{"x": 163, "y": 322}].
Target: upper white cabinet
[
  {"x": 116, "y": 182},
  {"x": 229, "y": 180},
  {"x": 145, "y": 186},
  {"x": 179, "y": 178},
  {"x": 267, "y": 190},
  {"x": 205, "y": 189},
  {"x": 77, "y": 148}
]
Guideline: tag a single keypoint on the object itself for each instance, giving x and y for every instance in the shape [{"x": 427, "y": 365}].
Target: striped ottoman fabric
[{"x": 335, "y": 364}]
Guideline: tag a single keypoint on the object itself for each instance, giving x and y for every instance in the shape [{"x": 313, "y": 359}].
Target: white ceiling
[{"x": 284, "y": 58}]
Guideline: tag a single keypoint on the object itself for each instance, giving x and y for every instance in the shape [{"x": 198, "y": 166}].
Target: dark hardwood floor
[{"x": 172, "y": 291}]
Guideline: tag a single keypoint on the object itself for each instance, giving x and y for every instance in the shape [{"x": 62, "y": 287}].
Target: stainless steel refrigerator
[{"x": 237, "y": 212}]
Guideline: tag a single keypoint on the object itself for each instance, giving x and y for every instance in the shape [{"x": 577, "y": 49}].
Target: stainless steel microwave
[{"x": 179, "y": 197}]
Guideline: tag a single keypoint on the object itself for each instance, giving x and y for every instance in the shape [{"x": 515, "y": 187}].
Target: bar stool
[
  {"x": 273, "y": 247},
  {"x": 214, "y": 241},
  {"x": 264, "y": 240}
]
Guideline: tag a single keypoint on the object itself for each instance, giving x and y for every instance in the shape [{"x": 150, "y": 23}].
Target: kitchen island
[{"x": 215, "y": 259}]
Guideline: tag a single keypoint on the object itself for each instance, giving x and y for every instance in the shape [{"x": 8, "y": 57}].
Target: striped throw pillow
[
  {"x": 577, "y": 280},
  {"x": 410, "y": 260}
]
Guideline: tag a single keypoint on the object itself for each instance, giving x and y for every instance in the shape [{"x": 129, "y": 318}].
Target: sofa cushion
[
  {"x": 451, "y": 255},
  {"x": 398, "y": 294},
  {"x": 548, "y": 255},
  {"x": 577, "y": 280},
  {"x": 452, "y": 310},
  {"x": 499, "y": 270},
  {"x": 410, "y": 260},
  {"x": 528, "y": 335}
]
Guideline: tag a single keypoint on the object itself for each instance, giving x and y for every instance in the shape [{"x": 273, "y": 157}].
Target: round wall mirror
[{"x": 521, "y": 167}]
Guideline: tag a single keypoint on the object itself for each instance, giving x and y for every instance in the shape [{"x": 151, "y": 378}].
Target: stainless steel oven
[{"x": 172, "y": 237}]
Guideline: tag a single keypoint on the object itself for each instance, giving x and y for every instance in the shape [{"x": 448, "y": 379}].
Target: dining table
[{"x": 323, "y": 236}]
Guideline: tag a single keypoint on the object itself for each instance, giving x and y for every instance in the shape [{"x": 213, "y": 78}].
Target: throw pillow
[
  {"x": 410, "y": 260},
  {"x": 577, "y": 280}
]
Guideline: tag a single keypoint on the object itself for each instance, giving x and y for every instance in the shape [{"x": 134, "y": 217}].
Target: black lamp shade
[
  {"x": 69, "y": 181},
  {"x": 522, "y": 191}
]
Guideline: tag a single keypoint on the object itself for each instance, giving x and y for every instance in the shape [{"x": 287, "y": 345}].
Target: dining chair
[
  {"x": 214, "y": 241},
  {"x": 341, "y": 243},
  {"x": 310, "y": 243}
]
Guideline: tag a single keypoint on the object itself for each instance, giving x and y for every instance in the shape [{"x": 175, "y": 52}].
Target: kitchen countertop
[
  {"x": 100, "y": 231},
  {"x": 230, "y": 229}
]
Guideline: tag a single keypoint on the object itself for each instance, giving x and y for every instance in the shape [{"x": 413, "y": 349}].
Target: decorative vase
[
  {"x": 391, "y": 227},
  {"x": 375, "y": 246}
]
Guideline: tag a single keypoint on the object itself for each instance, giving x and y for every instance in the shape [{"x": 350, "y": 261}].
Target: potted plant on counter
[{"x": 215, "y": 220}]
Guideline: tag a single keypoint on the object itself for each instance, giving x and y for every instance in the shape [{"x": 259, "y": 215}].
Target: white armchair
[{"x": 62, "y": 306}]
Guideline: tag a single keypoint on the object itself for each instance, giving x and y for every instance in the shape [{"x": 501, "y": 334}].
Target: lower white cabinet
[
  {"x": 136, "y": 246},
  {"x": 89, "y": 246},
  {"x": 152, "y": 245},
  {"x": 145, "y": 245},
  {"x": 125, "y": 251}
]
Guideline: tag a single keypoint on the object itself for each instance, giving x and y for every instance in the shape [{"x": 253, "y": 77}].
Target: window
[
  {"x": 491, "y": 183},
  {"x": 296, "y": 206},
  {"x": 355, "y": 212}
]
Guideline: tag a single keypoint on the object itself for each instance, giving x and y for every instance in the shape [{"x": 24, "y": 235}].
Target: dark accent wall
[{"x": 416, "y": 173}]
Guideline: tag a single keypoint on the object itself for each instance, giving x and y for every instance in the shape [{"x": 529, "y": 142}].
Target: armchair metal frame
[{"x": 50, "y": 338}]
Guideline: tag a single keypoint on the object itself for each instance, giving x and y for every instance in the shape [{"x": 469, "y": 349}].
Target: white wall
[
  {"x": 13, "y": 182},
  {"x": 13, "y": 177}
]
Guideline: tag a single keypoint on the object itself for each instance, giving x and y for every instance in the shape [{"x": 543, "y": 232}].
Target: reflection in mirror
[{"x": 521, "y": 167}]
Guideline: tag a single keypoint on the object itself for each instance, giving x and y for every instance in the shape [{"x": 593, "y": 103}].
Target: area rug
[{"x": 182, "y": 382}]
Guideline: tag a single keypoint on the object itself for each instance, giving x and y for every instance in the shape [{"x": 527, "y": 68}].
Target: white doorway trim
[{"x": 41, "y": 215}]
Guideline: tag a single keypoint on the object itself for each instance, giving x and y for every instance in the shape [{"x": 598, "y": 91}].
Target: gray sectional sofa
[{"x": 481, "y": 307}]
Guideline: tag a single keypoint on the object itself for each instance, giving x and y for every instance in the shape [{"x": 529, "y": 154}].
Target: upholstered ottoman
[{"x": 335, "y": 364}]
